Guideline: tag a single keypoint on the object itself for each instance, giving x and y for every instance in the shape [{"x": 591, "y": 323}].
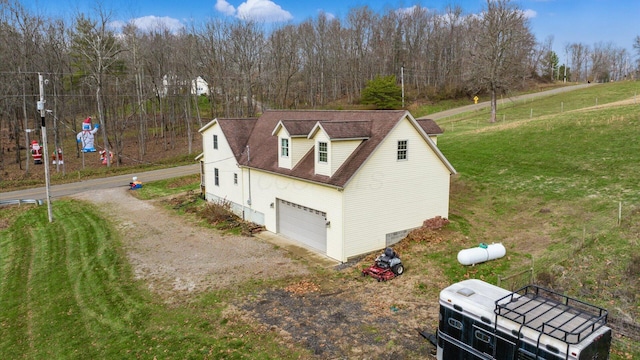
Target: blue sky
[{"x": 568, "y": 21}]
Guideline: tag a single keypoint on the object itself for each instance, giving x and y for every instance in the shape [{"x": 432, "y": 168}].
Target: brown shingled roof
[
  {"x": 255, "y": 146},
  {"x": 298, "y": 127},
  {"x": 346, "y": 129},
  {"x": 237, "y": 132},
  {"x": 429, "y": 126}
]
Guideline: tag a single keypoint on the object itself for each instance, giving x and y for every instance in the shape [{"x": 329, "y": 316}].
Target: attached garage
[{"x": 303, "y": 224}]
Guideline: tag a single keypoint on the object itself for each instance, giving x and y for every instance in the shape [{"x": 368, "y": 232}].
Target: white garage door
[{"x": 303, "y": 224}]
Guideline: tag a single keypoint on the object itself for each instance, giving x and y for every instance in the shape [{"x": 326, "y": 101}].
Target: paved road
[
  {"x": 482, "y": 105},
  {"x": 62, "y": 190}
]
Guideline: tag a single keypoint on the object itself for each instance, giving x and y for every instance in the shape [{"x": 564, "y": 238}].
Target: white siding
[
  {"x": 283, "y": 161},
  {"x": 224, "y": 160},
  {"x": 322, "y": 168},
  {"x": 340, "y": 151},
  {"x": 388, "y": 195}
]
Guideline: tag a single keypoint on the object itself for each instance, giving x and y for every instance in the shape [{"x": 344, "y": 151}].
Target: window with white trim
[
  {"x": 216, "y": 177},
  {"x": 215, "y": 142},
  {"x": 323, "y": 154},
  {"x": 235, "y": 178},
  {"x": 402, "y": 149},
  {"x": 284, "y": 147}
]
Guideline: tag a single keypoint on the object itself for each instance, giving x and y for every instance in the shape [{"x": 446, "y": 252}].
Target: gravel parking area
[{"x": 177, "y": 259}]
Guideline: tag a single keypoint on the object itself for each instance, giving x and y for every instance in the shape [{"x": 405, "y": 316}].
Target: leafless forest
[{"x": 138, "y": 83}]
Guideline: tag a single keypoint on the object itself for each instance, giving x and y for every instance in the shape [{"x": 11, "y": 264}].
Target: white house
[
  {"x": 343, "y": 183},
  {"x": 171, "y": 85},
  {"x": 199, "y": 86}
]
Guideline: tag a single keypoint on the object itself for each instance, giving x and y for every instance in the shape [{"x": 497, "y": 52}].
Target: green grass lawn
[{"x": 67, "y": 292}]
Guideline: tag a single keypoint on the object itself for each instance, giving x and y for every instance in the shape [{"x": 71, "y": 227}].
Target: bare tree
[
  {"x": 579, "y": 61},
  {"x": 545, "y": 60},
  {"x": 284, "y": 63},
  {"x": 502, "y": 45},
  {"x": 605, "y": 62},
  {"x": 95, "y": 51},
  {"x": 246, "y": 46},
  {"x": 636, "y": 47}
]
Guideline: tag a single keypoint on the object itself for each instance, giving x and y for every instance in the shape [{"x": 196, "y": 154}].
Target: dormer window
[
  {"x": 323, "y": 155},
  {"x": 402, "y": 149},
  {"x": 284, "y": 147}
]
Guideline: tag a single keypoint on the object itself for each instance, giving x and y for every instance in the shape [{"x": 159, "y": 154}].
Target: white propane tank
[{"x": 481, "y": 253}]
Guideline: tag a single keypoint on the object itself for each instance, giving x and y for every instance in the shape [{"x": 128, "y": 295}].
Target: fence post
[{"x": 619, "y": 212}]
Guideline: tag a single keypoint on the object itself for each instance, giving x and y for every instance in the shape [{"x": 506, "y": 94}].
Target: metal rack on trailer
[{"x": 552, "y": 314}]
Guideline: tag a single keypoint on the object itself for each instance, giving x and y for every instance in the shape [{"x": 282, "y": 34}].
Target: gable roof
[
  {"x": 254, "y": 144},
  {"x": 430, "y": 127},
  {"x": 295, "y": 128},
  {"x": 236, "y": 131},
  {"x": 343, "y": 130}
]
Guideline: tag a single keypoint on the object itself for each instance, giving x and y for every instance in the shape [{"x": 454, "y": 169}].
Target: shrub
[{"x": 383, "y": 92}]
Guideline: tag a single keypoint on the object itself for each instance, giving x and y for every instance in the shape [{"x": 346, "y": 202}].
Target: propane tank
[{"x": 481, "y": 253}]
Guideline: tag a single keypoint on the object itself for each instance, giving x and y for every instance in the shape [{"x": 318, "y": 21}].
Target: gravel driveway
[{"x": 176, "y": 258}]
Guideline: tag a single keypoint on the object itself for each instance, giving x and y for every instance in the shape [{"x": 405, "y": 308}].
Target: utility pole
[
  {"x": 45, "y": 154},
  {"x": 566, "y": 59},
  {"x": 26, "y": 125},
  {"x": 402, "y": 83}
]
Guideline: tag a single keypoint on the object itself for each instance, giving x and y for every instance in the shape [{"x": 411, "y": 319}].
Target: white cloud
[
  {"x": 407, "y": 10},
  {"x": 151, "y": 22},
  {"x": 224, "y": 7},
  {"x": 259, "y": 10},
  {"x": 117, "y": 24},
  {"x": 529, "y": 14},
  {"x": 329, "y": 16}
]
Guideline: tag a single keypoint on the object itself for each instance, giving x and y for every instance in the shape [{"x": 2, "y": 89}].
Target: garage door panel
[{"x": 303, "y": 224}]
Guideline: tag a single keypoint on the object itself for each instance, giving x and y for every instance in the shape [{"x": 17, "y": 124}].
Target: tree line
[{"x": 142, "y": 79}]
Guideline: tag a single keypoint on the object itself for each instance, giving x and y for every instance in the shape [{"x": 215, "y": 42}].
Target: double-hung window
[
  {"x": 284, "y": 147},
  {"x": 216, "y": 177},
  {"x": 323, "y": 155},
  {"x": 215, "y": 142},
  {"x": 402, "y": 149}
]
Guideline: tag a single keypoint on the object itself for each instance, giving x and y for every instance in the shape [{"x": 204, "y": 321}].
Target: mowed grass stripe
[
  {"x": 112, "y": 308},
  {"x": 15, "y": 259},
  {"x": 78, "y": 301},
  {"x": 97, "y": 269},
  {"x": 54, "y": 309}
]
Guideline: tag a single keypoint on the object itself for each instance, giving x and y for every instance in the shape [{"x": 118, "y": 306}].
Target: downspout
[
  {"x": 242, "y": 185},
  {"x": 342, "y": 256},
  {"x": 249, "y": 174}
]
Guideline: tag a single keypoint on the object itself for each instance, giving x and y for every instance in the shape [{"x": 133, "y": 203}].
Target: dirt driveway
[
  {"x": 179, "y": 259},
  {"x": 339, "y": 315}
]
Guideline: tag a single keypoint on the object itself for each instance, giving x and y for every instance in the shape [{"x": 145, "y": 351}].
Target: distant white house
[
  {"x": 343, "y": 183},
  {"x": 171, "y": 85},
  {"x": 199, "y": 86}
]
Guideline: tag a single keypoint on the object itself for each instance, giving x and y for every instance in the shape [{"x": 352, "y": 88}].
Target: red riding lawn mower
[{"x": 386, "y": 266}]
